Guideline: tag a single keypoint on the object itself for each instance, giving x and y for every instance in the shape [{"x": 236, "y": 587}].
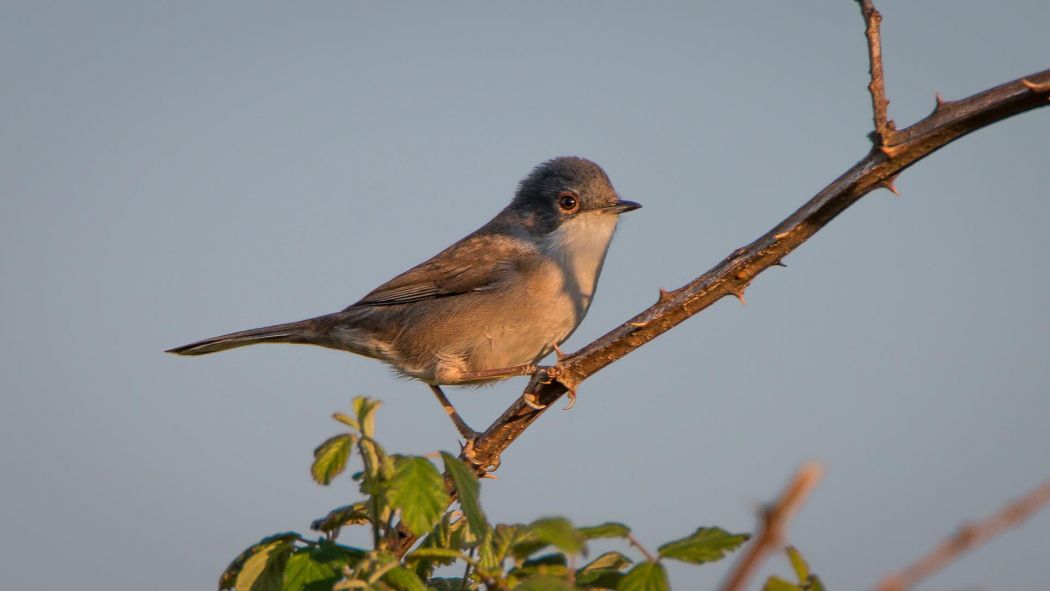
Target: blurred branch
[
  {"x": 774, "y": 525},
  {"x": 968, "y": 537},
  {"x": 949, "y": 121}
]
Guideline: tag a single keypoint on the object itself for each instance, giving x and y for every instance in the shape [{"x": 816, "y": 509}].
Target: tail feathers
[{"x": 304, "y": 332}]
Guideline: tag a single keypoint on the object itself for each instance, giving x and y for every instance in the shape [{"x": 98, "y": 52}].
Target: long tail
[{"x": 302, "y": 332}]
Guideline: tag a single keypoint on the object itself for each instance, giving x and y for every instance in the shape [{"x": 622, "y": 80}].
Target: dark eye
[{"x": 568, "y": 202}]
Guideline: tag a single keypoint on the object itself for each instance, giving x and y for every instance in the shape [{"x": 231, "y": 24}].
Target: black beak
[{"x": 622, "y": 206}]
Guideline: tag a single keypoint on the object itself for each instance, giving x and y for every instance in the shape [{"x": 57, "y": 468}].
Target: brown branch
[
  {"x": 968, "y": 537},
  {"x": 884, "y": 127},
  {"x": 734, "y": 274},
  {"x": 774, "y": 525}
]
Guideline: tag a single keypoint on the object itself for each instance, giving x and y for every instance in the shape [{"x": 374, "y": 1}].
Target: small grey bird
[{"x": 490, "y": 306}]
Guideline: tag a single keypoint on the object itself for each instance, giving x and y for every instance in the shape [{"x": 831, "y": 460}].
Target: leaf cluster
[{"x": 547, "y": 554}]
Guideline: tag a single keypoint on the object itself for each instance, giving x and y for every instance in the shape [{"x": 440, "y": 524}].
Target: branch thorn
[
  {"x": 664, "y": 295},
  {"x": 1035, "y": 86},
  {"x": 740, "y": 295},
  {"x": 891, "y": 185},
  {"x": 780, "y": 264}
]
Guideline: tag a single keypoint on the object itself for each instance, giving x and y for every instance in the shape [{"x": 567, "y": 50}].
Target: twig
[
  {"x": 884, "y": 128},
  {"x": 968, "y": 537},
  {"x": 634, "y": 542},
  {"x": 774, "y": 524},
  {"x": 736, "y": 272}
]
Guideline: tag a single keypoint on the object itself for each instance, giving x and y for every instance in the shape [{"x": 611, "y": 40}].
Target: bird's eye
[{"x": 568, "y": 202}]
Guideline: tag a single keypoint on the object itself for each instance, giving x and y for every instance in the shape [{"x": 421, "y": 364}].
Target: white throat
[{"x": 579, "y": 246}]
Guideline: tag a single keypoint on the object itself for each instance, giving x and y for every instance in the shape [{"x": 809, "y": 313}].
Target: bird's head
[{"x": 568, "y": 193}]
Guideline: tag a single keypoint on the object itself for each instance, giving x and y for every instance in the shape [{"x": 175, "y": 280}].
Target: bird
[{"x": 490, "y": 306}]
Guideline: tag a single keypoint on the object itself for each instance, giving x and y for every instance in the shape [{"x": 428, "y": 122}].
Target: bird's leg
[
  {"x": 525, "y": 369},
  {"x": 464, "y": 429}
]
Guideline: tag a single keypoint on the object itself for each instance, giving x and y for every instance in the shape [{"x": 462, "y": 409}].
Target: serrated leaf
[
  {"x": 330, "y": 458},
  {"x": 645, "y": 576},
  {"x": 544, "y": 583},
  {"x": 610, "y": 561},
  {"x": 365, "y": 408},
  {"x": 486, "y": 555},
  {"x": 558, "y": 532},
  {"x": 418, "y": 490},
  {"x": 229, "y": 576},
  {"x": 402, "y": 579},
  {"x": 609, "y": 529},
  {"x": 264, "y": 570},
  {"x": 798, "y": 563},
  {"x": 314, "y": 569},
  {"x": 707, "y": 544},
  {"x": 356, "y": 514},
  {"x": 467, "y": 493}
]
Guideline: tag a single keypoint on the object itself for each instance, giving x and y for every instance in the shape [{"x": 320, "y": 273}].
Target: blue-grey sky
[{"x": 172, "y": 171}]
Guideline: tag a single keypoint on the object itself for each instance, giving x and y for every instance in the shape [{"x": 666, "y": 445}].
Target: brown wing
[{"x": 476, "y": 263}]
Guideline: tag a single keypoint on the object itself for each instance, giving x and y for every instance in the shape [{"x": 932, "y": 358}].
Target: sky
[{"x": 173, "y": 171}]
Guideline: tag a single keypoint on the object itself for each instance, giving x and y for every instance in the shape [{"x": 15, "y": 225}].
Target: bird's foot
[
  {"x": 470, "y": 454},
  {"x": 546, "y": 375}
]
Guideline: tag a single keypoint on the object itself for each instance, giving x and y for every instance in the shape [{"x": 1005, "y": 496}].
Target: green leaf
[
  {"x": 544, "y": 583},
  {"x": 356, "y": 514},
  {"x": 443, "y": 584},
  {"x": 603, "y": 571},
  {"x": 775, "y": 583},
  {"x": 264, "y": 570},
  {"x": 645, "y": 576},
  {"x": 365, "y": 408},
  {"x": 315, "y": 568},
  {"x": 418, "y": 490},
  {"x": 330, "y": 458},
  {"x": 558, "y": 532},
  {"x": 609, "y": 562},
  {"x": 798, "y": 563},
  {"x": 467, "y": 493},
  {"x": 347, "y": 420},
  {"x": 503, "y": 537},
  {"x": 707, "y": 544},
  {"x": 609, "y": 529},
  {"x": 402, "y": 579},
  {"x": 229, "y": 576},
  {"x": 552, "y": 565},
  {"x": 439, "y": 553},
  {"x": 813, "y": 583}
]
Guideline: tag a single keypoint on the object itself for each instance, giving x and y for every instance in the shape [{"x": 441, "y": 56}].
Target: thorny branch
[
  {"x": 774, "y": 524},
  {"x": 967, "y": 537},
  {"x": 949, "y": 121}
]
